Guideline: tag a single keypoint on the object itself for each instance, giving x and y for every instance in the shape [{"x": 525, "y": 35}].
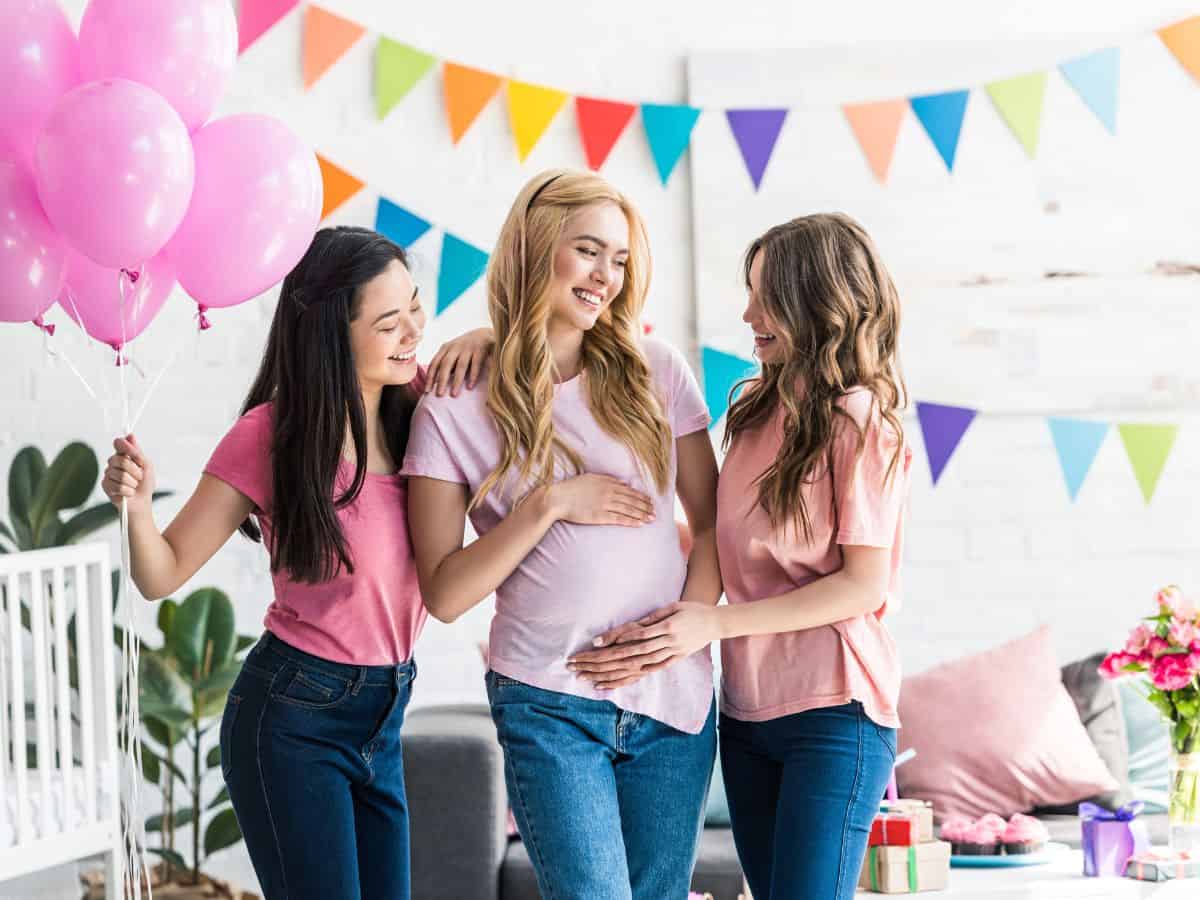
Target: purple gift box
[{"x": 1111, "y": 838}]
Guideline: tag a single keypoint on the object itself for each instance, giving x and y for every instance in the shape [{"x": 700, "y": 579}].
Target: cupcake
[
  {"x": 993, "y": 823},
  {"x": 1024, "y": 834},
  {"x": 952, "y": 831},
  {"x": 978, "y": 839}
]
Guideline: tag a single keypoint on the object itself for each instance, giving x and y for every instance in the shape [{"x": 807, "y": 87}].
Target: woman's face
[
  {"x": 768, "y": 345},
  {"x": 589, "y": 265},
  {"x": 385, "y": 333}
]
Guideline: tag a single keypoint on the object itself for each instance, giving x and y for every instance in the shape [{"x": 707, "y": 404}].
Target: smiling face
[
  {"x": 387, "y": 329},
  {"x": 768, "y": 340},
  {"x": 589, "y": 266}
]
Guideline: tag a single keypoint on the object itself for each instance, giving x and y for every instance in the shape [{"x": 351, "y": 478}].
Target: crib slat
[
  {"x": 87, "y": 715},
  {"x": 41, "y": 699},
  {"x": 106, "y": 707},
  {"x": 62, "y": 662},
  {"x": 16, "y": 677}
]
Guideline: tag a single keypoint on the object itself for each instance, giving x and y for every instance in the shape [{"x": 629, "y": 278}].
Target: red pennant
[{"x": 600, "y": 124}]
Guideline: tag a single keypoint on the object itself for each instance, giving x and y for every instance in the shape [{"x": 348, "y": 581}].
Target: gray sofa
[{"x": 454, "y": 771}]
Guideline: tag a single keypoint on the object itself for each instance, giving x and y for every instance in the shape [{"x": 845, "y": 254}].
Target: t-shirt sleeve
[
  {"x": 243, "y": 457},
  {"x": 429, "y": 454},
  {"x": 869, "y": 499},
  {"x": 686, "y": 410}
]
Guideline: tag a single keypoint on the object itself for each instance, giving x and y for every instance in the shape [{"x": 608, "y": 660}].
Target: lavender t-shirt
[{"x": 580, "y": 580}]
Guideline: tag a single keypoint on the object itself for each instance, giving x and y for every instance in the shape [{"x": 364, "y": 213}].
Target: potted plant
[{"x": 1165, "y": 651}]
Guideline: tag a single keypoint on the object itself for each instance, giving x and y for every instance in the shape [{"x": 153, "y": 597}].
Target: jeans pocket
[
  {"x": 225, "y": 738},
  {"x": 313, "y": 689}
]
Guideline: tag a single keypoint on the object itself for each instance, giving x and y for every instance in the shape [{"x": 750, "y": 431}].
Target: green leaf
[
  {"x": 24, "y": 475},
  {"x": 24, "y": 535},
  {"x": 163, "y": 694},
  {"x": 7, "y": 534},
  {"x": 171, "y": 856},
  {"x": 182, "y": 817},
  {"x": 244, "y": 641},
  {"x": 214, "y": 757},
  {"x": 151, "y": 770},
  {"x": 84, "y": 523},
  {"x": 203, "y": 635},
  {"x": 222, "y": 797},
  {"x": 67, "y": 484},
  {"x": 212, "y": 691},
  {"x": 48, "y": 535},
  {"x": 222, "y": 832},
  {"x": 166, "y": 616}
]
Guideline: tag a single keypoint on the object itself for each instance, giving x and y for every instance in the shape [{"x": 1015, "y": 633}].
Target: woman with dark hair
[{"x": 310, "y": 738}]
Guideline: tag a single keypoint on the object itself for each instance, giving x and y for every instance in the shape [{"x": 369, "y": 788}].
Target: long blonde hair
[
  {"x": 620, "y": 389},
  {"x": 838, "y": 313}
]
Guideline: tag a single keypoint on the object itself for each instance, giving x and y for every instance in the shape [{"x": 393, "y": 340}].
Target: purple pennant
[
  {"x": 942, "y": 428},
  {"x": 756, "y": 131}
]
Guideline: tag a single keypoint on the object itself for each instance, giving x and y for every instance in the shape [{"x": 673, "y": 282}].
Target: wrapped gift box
[
  {"x": 1111, "y": 839},
  {"x": 921, "y": 810},
  {"x": 894, "y": 829},
  {"x": 1163, "y": 865},
  {"x": 906, "y": 870}
]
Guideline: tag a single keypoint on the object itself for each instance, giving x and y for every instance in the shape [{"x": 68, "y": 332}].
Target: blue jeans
[
  {"x": 609, "y": 803},
  {"x": 310, "y": 752},
  {"x": 802, "y": 791}
]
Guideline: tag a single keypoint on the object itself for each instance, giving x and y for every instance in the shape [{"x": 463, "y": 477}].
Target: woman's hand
[
  {"x": 653, "y": 642},
  {"x": 458, "y": 361},
  {"x": 599, "y": 500},
  {"x": 129, "y": 475}
]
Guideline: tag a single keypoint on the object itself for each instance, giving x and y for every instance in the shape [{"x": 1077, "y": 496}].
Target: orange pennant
[
  {"x": 326, "y": 39},
  {"x": 339, "y": 184},
  {"x": 876, "y": 125},
  {"x": 468, "y": 91},
  {"x": 1183, "y": 39}
]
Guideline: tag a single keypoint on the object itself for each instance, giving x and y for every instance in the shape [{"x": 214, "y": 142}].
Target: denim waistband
[{"x": 270, "y": 643}]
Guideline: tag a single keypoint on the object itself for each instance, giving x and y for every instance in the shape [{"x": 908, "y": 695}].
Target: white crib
[{"x": 63, "y": 805}]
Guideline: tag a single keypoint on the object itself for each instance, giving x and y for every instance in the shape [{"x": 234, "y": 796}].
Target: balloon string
[{"x": 178, "y": 348}]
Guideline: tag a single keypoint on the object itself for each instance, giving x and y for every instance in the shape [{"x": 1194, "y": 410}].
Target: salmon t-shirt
[
  {"x": 772, "y": 675},
  {"x": 370, "y": 617}
]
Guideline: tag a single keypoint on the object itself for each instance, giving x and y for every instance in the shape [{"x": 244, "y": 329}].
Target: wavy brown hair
[
  {"x": 620, "y": 389},
  {"x": 834, "y": 307}
]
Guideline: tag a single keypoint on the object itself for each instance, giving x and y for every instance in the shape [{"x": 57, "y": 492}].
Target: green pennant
[
  {"x": 1019, "y": 101},
  {"x": 398, "y": 67},
  {"x": 1148, "y": 447}
]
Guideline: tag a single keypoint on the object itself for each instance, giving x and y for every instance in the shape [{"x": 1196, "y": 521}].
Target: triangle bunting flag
[
  {"x": 601, "y": 123},
  {"x": 1019, "y": 102},
  {"x": 1183, "y": 40},
  {"x": 468, "y": 91},
  {"x": 1077, "y": 442},
  {"x": 531, "y": 109},
  {"x": 327, "y": 37},
  {"x": 1095, "y": 78},
  {"x": 941, "y": 115},
  {"x": 256, "y": 17},
  {"x": 668, "y": 129},
  {"x": 942, "y": 427},
  {"x": 461, "y": 266},
  {"x": 339, "y": 185},
  {"x": 877, "y": 125},
  {"x": 1148, "y": 447},
  {"x": 756, "y": 131},
  {"x": 398, "y": 67},
  {"x": 397, "y": 224},
  {"x": 721, "y": 372}
]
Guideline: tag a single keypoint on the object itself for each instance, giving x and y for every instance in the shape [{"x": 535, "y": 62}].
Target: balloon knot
[
  {"x": 202, "y": 318},
  {"x": 47, "y": 327},
  {"x": 122, "y": 360},
  {"x": 132, "y": 275}
]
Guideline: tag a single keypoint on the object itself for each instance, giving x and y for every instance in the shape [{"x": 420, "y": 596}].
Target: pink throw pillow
[{"x": 997, "y": 732}]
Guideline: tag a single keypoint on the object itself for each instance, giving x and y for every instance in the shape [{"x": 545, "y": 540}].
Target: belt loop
[{"x": 358, "y": 682}]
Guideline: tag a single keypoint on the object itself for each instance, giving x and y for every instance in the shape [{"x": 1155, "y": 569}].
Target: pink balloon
[
  {"x": 92, "y": 297},
  {"x": 32, "y": 257},
  {"x": 39, "y": 62},
  {"x": 256, "y": 205},
  {"x": 115, "y": 171},
  {"x": 183, "y": 49}
]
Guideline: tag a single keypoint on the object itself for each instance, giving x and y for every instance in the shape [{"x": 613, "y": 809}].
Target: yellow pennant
[{"x": 531, "y": 109}]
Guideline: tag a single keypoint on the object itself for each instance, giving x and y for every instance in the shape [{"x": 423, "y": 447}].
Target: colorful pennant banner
[
  {"x": 339, "y": 185},
  {"x": 1077, "y": 442},
  {"x": 467, "y": 91}
]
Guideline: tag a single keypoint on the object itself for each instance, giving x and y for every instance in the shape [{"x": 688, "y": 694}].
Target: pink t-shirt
[
  {"x": 773, "y": 675},
  {"x": 369, "y": 618},
  {"x": 580, "y": 580}
]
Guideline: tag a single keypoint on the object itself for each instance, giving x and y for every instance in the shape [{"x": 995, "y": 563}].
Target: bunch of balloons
[{"x": 114, "y": 184}]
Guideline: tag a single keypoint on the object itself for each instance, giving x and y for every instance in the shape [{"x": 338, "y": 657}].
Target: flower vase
[{"x": 1183, "y": 801}]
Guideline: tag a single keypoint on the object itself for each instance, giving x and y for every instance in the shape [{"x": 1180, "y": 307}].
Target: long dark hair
[
  {"x": 308, "y": 373},
  {"x": 838, "y": 313}
]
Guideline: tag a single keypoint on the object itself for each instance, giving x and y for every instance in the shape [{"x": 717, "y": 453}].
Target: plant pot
[{"x": 178, "y": 888}]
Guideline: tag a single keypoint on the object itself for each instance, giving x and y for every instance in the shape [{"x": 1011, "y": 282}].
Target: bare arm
[
  {"x": 696, "y": 484},
  {"x": 455, "y": 578},
  {"x": 162, "y": 561}
]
